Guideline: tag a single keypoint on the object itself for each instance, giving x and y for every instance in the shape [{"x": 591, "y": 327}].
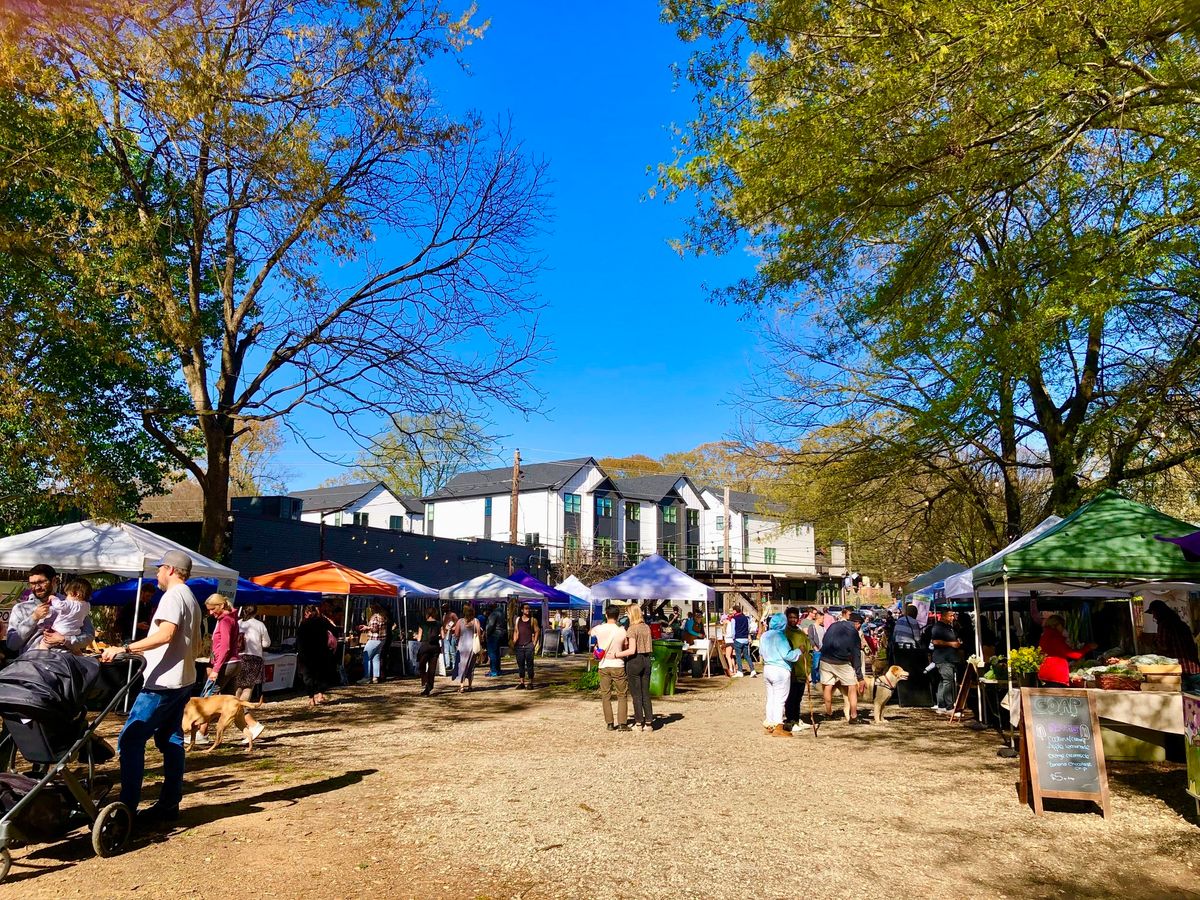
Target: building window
[
  {"x": 632, "y": 550},
  {"x": 693, "y": 518},
  {"x": 720, "y": 554},
  {"x": 337, "y": 518},
  {"x": 769, "y": 555},
  {"x": 670, "y": 514},
  {"x": 720, "y": 523},
  {"x": 693, "y": 556},
  {"x": 532, "y": 539},
  {"x": 604, "y": 507},
  {"x": 604, "y": 548},
  {"x": 633, "y": 512},
  {"x": 487, "y": 506},
  {"x": 429, "y": 518},
  {"x": 572, "y": 504},
  {"x": 571, "y": 542},
  {"x": 362, "y": 518},
  {"x": 670, "y": 550},
  {"x": 396, "y": 523}
]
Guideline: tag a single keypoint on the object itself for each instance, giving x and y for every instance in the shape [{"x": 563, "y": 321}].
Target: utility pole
[
  {"x": 728, "y": 524},
  {"x": 516, "y": 487}
]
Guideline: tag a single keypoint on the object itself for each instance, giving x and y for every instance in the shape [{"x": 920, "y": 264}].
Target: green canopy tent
[{"x": 1109, "y": 540}]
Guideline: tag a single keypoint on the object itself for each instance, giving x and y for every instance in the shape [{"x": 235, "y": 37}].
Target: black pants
[
  {"x": 637, "y": 672},
  {"x": 791, "y": 706},
  {"x": 427, "y": 660},
  {"x": 525, "y": 662}
]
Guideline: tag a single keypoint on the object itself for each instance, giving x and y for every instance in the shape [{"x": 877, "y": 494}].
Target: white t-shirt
[
  {"x": 254, "y": 637},
  {"x": 173, "y": 665},
  {"x": 610, "y": 637}
]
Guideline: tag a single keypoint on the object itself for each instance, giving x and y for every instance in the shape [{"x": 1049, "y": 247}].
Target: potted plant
[{"x": 1024, "y": 664}]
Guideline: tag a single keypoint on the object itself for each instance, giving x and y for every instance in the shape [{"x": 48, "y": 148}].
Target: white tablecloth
[{"x": 279, "y": 671}]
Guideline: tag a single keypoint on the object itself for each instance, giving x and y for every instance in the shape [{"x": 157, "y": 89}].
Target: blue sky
[{"x": 641, "y": 362}]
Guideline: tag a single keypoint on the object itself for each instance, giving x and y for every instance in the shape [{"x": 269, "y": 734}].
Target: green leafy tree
[
  {"x": 306, "y": 227},
  {"x": 980, "y": 221}
]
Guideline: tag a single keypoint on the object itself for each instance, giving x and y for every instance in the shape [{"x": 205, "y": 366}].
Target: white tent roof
[
  {"x": 575, "y": 588},
  {"x": 116, "y": 547},
  {"x": 407, "y": 586},
  {"x": 653, "y": 579},
  {"x": 488, "y": 587},
  {"x": 963, "y": 585}
]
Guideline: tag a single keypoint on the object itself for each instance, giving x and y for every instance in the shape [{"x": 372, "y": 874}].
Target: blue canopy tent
[
  {"x": 555, "y": 599},
  {"x": 248, "y": 593}
]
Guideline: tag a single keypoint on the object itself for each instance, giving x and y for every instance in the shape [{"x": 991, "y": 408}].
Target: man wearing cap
[{"x": 170, "y": 674}]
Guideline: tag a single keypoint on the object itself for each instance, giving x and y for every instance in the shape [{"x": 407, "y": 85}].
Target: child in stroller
[{"x": 44, "y": 701}]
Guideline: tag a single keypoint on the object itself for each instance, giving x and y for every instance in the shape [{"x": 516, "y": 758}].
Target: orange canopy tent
[{"x": 329, "y": 577}]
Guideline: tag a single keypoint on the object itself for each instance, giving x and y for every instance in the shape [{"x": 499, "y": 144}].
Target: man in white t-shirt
[
  {"x": 610, "y": 640},
  {"x": 170, "y": 675}
]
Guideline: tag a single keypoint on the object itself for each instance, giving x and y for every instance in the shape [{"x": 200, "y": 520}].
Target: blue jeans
[
  {"x": 372, "y": 659},
  {"x": 569, "y": 641},
  {"x": 816, "y": 667},
  {"x": 493, "y": 648},
  {"x": 450, "y": 655},
  {"x": 946, "y": 695},
  {"x": 155, "y": 714},
  {"x": 741, "y": 650}
]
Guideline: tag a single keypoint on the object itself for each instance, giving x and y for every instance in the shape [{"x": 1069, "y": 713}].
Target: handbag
[{"x": 476, "y": 645}]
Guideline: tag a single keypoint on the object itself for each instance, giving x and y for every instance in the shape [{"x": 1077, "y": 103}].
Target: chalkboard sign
[{"x": 1062, "y": 755}]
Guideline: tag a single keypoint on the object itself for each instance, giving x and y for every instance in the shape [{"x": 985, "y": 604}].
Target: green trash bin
[{"x": 664, "y": 667}]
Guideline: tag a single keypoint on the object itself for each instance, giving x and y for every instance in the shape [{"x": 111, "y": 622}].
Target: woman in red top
[{"x": 1056, "y": 670}]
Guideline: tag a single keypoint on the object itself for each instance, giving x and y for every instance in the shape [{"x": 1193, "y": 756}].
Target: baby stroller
[{"x": 45, "y": 697}]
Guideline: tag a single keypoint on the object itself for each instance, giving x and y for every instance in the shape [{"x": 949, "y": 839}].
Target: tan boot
[{"x": 780, "y": 731}]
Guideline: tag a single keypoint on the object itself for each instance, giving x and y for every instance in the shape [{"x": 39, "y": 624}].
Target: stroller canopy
[{"x": 48, "y": 685}]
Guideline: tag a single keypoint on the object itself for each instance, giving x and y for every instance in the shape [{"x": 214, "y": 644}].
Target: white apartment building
[
  {"x": 758, "y": 541},
  {"x": 368, "y": 503}
]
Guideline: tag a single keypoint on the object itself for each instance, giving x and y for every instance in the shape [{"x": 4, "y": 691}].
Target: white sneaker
[
  {"x": 202, "y": 739},
  {"x": 753, "y": 673},
  {"x": 257, "y": 729},
  {"x": 942, "y": 712},
  {"x": 737, "y": 675}
]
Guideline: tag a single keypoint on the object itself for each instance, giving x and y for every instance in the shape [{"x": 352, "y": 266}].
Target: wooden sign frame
[
  {"x": 969, "y": 683},
  {"x": 1030, "y": 786}
]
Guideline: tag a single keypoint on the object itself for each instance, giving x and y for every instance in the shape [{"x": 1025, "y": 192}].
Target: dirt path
[{"x": 509, "y": 794}]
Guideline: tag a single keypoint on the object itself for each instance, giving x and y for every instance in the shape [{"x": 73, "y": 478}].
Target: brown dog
[
  {"x": 883, "y": 688},
  {"x": 225, "y": 708}
]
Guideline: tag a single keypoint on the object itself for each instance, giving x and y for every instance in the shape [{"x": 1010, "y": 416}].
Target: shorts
[{"x": 838, "y": 673}]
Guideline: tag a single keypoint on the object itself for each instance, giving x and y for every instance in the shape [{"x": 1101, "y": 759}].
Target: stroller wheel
[
  {"x": 5, "y": 863},
  {"x": 111, "y": 832}
]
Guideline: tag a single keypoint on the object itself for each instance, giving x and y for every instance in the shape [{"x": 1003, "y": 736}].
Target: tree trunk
[
  {"x": 214, "y": 527},
  {"x": 1014, "y": 525}
]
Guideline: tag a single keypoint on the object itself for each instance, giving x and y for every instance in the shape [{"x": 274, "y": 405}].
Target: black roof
[
  {"x": 534, "y": 477},
  {"x": 654, "y": 488},
  {"x": 743, "y": 502},
  {"x": 337, "y": 497}
]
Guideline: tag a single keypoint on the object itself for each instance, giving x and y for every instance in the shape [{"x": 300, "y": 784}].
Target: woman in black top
[
  {"x": 429, "y": 635},
  {"x": 315, "y": 655}
]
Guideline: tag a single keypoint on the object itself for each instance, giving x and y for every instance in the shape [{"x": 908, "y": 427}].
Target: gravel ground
[{"x": 503, "y": 793}]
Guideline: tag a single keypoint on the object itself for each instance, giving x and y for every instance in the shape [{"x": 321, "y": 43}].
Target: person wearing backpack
[{"x": 497, "y": 636}]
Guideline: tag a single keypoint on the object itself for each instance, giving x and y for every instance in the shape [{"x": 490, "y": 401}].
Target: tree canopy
[
  {"x": 977, "y": 227},
  {"x": 305, "y": 226}
]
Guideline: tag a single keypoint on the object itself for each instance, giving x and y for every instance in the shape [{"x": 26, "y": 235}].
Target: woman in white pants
[{"x": 777, "y": 656}]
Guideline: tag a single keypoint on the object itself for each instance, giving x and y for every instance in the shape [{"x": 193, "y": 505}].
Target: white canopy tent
[
  {"x": 575, "y": 588},
  {"x": 115, "y": 547},
  {"x": 488, "y": 587},
  {"x": 406, "y": 586},
  {"x": 654, "y": 579}
]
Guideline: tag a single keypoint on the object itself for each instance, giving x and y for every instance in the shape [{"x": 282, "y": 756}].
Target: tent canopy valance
[
  {"x": 489, "y": 587},
  {"x": 248, "y": 594},
  {"x": 115, "y": 547},
  {"x": 406, "y": 586},
  {"x": 654, "y": 579},
  {"x": 327, "y": 577},
  {"x": 1109, "y": 539}
]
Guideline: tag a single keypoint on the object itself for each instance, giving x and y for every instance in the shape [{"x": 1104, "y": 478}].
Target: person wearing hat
[{"x": 170, "y": 674}]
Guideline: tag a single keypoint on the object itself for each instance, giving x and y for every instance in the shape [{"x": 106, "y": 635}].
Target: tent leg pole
[
  {"x": 1133, "y": 627},
  {"x": 137, "y": 608},
  {"x": 346, "y": 639},
  {"x": 979, "y": 723},
  {"x": 1011, "y": 750}
]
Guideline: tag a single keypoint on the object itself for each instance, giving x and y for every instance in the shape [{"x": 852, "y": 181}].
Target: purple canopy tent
[{"x": 1189, "y": 544}]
